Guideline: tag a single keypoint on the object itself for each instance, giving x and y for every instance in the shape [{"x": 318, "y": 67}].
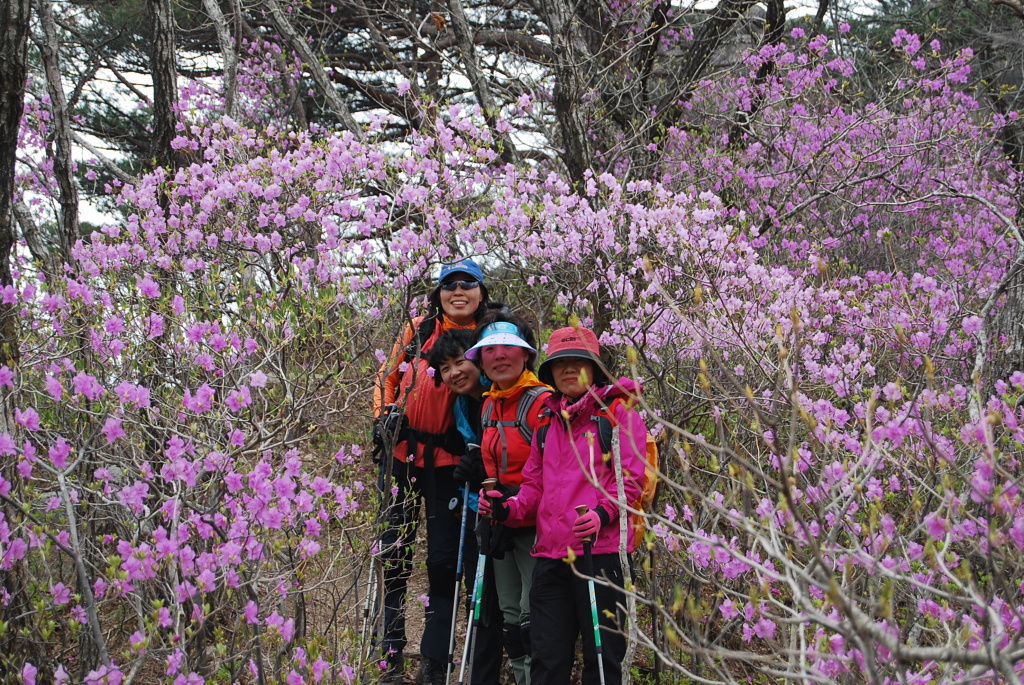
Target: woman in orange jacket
[
  {"x": 506, "y": 353},
  {"x": 415, "y": 429}
]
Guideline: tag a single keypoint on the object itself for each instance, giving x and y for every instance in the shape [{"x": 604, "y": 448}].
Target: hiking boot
[
  {"x": 394, "y": 673},
  {"x": 432, "y": 672}
]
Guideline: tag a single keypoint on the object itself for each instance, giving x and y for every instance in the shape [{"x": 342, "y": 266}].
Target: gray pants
[{"x": 513, "y": 575}]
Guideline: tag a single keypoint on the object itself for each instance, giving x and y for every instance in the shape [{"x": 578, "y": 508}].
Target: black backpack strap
[
  {"x": 605, "y": 426},
  {"x": 604, "y": 432},
  {"x": 541, "y": 433}
]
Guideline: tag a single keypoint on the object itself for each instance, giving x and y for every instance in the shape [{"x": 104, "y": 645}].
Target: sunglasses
[{"x": 465, "y": 285}]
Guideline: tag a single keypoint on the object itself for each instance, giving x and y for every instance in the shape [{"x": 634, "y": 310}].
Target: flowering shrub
[{"x": 184, "y": 488}]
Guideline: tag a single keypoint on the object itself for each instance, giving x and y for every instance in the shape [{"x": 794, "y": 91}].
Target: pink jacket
[{"x": 555, "y": 482}]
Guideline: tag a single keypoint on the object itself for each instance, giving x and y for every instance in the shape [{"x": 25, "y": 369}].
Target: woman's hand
[
  {"x": 492, "y": 505},
  {"x": 587, "y": 525}
]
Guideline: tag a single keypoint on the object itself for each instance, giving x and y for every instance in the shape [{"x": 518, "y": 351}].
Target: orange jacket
[{"x": 408, "y": 383}]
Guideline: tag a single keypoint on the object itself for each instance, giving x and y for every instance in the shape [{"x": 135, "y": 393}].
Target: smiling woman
[
  {"x": 506, "y": 352},
  {"x": 424, "y": 446},
  {"x": 568, "y": 487}
]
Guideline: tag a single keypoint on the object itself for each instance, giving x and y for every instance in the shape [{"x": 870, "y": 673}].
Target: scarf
[
  {"x": 569, "y": 408},
  {"x": 527, "y": 379},
  {"x": 448, "y": 325}
]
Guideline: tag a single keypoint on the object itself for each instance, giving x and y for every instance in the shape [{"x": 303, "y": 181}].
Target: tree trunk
[
  {"x": 14, "y": 25},
  {"x": 708, "y": 39},
  {"x": 14, "y": 30},
  {"x": 461, "y": 27},
  {"x": 227, "y": 48},
  {"x": 569, "y": 91},
  {"x": 49, "y": 48},
  {"x": 165, "y": 83}
]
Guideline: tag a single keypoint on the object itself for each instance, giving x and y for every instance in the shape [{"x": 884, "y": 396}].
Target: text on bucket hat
[
  {"x": 466, "y": 266},
  {"x": 498, "y": 333},
  {"x": 571, "y": 342}
]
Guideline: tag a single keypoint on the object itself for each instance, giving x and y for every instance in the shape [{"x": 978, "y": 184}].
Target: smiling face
[
  {"x": 461, "y": 305},
  {"x": 573, "y": 375},
  {"x": 461, "y": 376},
  {"x": 503, "y": 364}
]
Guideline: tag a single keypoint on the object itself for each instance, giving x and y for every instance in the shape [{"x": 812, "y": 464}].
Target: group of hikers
[{"x": 465, "y": 426}]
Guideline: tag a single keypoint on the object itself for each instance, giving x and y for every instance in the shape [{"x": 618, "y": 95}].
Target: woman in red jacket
[
  {"x": 566, "y": 469},
  {"x": 414, "y": 415},
  {"x": 505, "y": 351}
]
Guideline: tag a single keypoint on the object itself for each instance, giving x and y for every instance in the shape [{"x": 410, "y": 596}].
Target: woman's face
[
  {"x": 460, "y": 375},
  {"x": 460, "y": 305},
  {"x": 503, "y": 364},
  {"x": 573, "y": 375}
]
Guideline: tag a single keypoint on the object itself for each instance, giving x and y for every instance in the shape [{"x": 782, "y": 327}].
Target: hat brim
[
  {"x": 546, "y": 375},
  {"x": 473, "y": 353}
]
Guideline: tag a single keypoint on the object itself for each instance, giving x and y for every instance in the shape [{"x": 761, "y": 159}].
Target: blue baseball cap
[
  {"x": 466, "y": 266},
  {"x": 498, "y": 333}
]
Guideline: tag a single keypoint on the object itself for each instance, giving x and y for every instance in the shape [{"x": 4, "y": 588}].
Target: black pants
[
  {"x": 560, "y": 610},
  {"x": 437, "y": 490}
]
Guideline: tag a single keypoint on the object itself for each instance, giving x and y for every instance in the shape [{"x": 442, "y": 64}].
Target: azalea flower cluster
[{"x": 804, "y": 297}]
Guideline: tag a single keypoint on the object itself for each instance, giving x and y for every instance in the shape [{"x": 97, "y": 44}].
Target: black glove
[
  {"x": 471, "y": 469},
  {"x": 494, "y": 539},
  {"x": 507, "y": 491},
  {"x": 502, "y": 540}
]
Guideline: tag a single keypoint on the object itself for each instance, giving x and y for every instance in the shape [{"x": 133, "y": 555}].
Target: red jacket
[
  {"x": 555, "y": 482},
  {"x": 428, "y": 405},
  {"x": 506, "y": 465}
]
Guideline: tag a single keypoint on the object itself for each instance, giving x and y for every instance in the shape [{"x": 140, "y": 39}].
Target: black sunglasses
[{"x": 465, "y": 285}]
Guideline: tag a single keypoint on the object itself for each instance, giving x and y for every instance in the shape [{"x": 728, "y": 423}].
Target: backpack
[
  {"x": 526, "y": 401},
  {"x": 605, "y": 420}
]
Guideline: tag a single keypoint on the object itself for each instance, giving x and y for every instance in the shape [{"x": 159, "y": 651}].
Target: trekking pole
[
  {"x": 373, "y": 581},
  {"x": 458, "y": 585},
  {"x": 588, "y": 568},
  {"x": 373, "y": 609},
  {"x": 478, "y": 589}
]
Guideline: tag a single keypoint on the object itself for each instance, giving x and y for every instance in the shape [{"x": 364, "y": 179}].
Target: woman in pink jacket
[{"x": 566, "y": 469}]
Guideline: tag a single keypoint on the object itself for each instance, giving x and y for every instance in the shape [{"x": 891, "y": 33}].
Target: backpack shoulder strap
[
  {"x": 485, "y": 415},
  {"x": 526, "y": 401},
  {"x": 542, "y": 428},
  {"x": 605, "y": 419}
]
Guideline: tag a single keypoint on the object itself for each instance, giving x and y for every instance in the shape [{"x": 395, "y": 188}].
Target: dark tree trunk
[
  {"x": 463, "y": 33},
  {"x": 49, "y": 48},
  {"x": 165, "y": 82},
  {"x": 1006, "y": 327},
  {"x": 14, "y": 25},
  {"x": 14, "y": 30}
]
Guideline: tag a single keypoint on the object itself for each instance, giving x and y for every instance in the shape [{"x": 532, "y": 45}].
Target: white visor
[{"x": 499, "y": 333}]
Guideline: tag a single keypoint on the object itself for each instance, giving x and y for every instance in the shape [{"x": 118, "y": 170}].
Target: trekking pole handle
[
  {"x": 582, "y": 509},
  {"x": 489, "y": 484}
]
